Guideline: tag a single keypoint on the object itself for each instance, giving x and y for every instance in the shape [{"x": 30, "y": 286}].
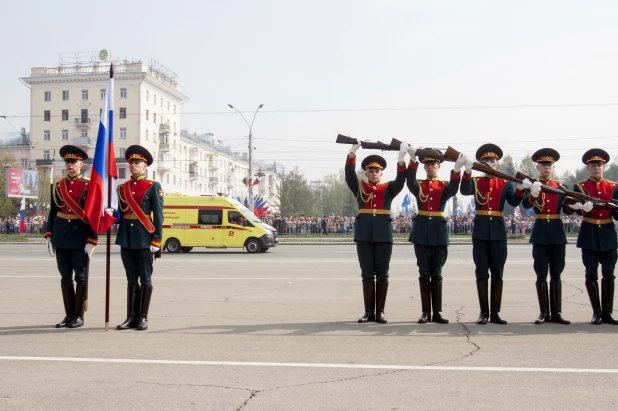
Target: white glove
[
  {"x": 576, "y": 206},
  {"x": 50, "y": 247},
  {"x": 469, "y": 163},
  {"x": 411, "y": 151},
  {"x": 110, "y": 211},
  {"x": 536, "y": 189},
  {"x": 524, "y": 185},
  {"x": 353, "y": 149},
  {"x": 89, "y": 249},
  {"x": 461, "y": 160},
  {"x": 153, "y": 249},
  {"x": 587, "y": 206},
  {"x": 403, "y": 150}
]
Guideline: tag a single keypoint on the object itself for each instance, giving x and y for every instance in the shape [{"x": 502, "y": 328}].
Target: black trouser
[
  {"x": 489, "y": 256},
  {"x": 70, "y": 261},
  {"x": 430, "y": 259},
  {"x": 138, "y": 265},
  {"x": 591, "y": 261},
  {"x": 548, "y": 258},
  {"x": 374, "y": 259}
]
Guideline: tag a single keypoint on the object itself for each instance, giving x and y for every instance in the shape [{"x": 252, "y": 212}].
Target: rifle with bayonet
[
  {"x": 368, "y": 145},
  {"x": 451, "y": 155},
  {"x": 573, "y": 197}
]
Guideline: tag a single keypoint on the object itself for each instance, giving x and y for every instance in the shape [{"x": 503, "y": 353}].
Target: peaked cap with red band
[
  {"x": 545, "y": 155},
  {"x": 71, "y": 153},
  {"x": 594, "y": 155},
  {"x": 488, "y": 150},
  {"x": 429, "y": 159},
  {"x": 373, "y": 161},
  {"x": 137, "y": 152}
]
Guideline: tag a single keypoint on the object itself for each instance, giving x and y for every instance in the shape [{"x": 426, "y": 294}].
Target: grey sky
[{"x": 302, "y": 59}]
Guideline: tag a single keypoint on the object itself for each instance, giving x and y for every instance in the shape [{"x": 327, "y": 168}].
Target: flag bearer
[
  {"x": 140, "y": 202},
  {"x": 429, "y": 232},
  {"x": 373, "y": 231},
  {"x": 68, "y": 232}
]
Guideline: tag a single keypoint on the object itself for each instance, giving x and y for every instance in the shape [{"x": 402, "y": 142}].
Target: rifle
[
  {"x": 369, "y": 145},
  {"x": 545, "y": 187},
  {"x": 451, "y": 155},
  {"x": 421, "y": 151}
]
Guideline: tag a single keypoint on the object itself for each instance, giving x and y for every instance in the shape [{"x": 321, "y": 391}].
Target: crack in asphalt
[
  {"x": 459, "y": 313},
  {"x": 567, "y": 298}
]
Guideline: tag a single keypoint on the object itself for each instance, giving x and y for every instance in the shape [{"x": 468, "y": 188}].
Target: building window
[
  {"x": 174, "y": 108},
  {"x": 122, "y": 173},
  {"x": 84, "y": 94},
  {"x": 174, "y": 180},
  {"x": 146, "y": 135},
  {"x": 154, "y": 99},
  {"x": 65, "y": 134},
  {"x": 174, "y": 126},
  {"x": 154, "y": 118},
  {"x": 65, "y": 95},
  {"x": 123, "y": 132},
  {"x": 65, "y": 115},
  {"x": 123, "y": 93},
  {"x": 48, "y": 96},
  {"x": 46, "y": 135},
  {"x": 161, "y": 102},
  {"x": 46, "y": 155},
  {"x": 121, "y": 152},
  {"x": 168, "y": 106},
  {"x": 84, "y": 133},
  {"x": 102, "y": 94},
  {"x": 147, "y": 95},
  {"x": 154, "y": 175},
  {"x": 46, "y": 115},
  {"x": 123, "y": 112},
  {"x": 147, "y": 114},
  {"x": 168, "y": 178},
  {"x": 84, "y": 116}
]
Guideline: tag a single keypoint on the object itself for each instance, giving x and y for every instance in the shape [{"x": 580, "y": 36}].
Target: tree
[
  {"x": 9, "y": 206},
  {"x": 295, "y": 197}
]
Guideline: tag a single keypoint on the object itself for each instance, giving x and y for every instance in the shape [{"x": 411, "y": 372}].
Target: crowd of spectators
[
  {"x": 515, "y": 225},
  {"x": 32, "y": 225}
]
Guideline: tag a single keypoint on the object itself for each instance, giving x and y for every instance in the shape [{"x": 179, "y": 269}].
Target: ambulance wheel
[
  {"x": 186, "y": 249},
  {"x": 253, "y": 245},
  {"x": 173, "y": 246},
  {"x": 263, "y": 250}
]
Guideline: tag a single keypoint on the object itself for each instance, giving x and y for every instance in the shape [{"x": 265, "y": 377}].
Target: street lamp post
[{"x": 250, "y": 151}]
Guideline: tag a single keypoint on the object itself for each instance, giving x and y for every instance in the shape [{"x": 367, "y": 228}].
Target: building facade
[{"x": 65, "y": 107}]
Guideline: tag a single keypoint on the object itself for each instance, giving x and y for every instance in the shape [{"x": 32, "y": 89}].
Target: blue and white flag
[{"x": 473, "y": 207}]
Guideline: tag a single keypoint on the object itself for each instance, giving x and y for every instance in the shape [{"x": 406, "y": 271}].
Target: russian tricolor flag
[{"x": 104, "y": 169}]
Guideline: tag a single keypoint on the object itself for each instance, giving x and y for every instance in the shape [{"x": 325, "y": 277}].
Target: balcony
[
  {"x": 44, "y": 162},
  {"x": 164, "y": 128},
  {"x": 82, "y": 122},
  {"x": 163, "y": 166},
  {"x": 164, "y": 147},
  {"x": 213, "y": 181},
  {"x": 213, "y": 166},
  {"x": 85, "y": 142},
  {"x": 193, "y": 175}
]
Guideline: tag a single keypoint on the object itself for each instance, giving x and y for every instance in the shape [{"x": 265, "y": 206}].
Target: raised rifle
[
  {"x": 544, "y": 187},
  {"x": 368, "y": 145},
  {"x": 421, "y": 151},
  {"x": 575, "y": 196},
  {"x": 451, "y": 155}
]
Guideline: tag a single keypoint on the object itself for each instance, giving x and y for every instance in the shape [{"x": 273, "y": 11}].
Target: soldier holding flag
[
  {"x": 140, "y": 202},
  {"x": 68, "y": 232}
]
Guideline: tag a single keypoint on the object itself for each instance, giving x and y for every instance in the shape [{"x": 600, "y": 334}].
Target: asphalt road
[{"x": 230, "y": 330}]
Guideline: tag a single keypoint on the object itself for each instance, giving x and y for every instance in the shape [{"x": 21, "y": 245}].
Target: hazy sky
[{"x": 522, "y": 74}]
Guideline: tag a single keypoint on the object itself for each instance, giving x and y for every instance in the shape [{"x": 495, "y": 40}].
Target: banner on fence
[{"x": 22, "y": 183}]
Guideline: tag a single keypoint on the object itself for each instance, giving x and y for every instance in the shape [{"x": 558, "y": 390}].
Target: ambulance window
[
  {"x": 213, "y": 217},
  {"x": 234, "y": 217}
]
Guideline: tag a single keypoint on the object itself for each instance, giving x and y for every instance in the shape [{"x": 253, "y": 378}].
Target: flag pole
[{"x": 109, "y": 230}]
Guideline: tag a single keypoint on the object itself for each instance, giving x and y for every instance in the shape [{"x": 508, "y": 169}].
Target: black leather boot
[
  {"x": 607, "y": 302},
  {"x": 481, "y": 288},
  {"x": 146, "y": 294},
  {"x": 78, "y": 317},
  {"x": 555, "y": 301},
  {"x": 424, "y": 285},
  {"x": 436, "y": 301},
  {"x": 381, "y": 290},
  {"x": 369, "y": 298},
  {"x": 541, "y": 293},
  {"x": 593, "y": 294},
  {"x": 496, "y": 302},
  {"x": 133, "y": 304},
  {"x": 68, "y": 298}
]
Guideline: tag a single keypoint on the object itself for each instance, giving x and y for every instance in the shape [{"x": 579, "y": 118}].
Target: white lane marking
[
  {"x": 318, "y": 365},
  {"x": 356, "y": 278}
]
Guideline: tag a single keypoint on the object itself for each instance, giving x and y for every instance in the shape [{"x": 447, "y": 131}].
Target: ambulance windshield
[{"x": 249, "y": 214}]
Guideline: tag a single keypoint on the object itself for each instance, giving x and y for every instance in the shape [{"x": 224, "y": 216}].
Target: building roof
[{"x": 14, "y": 139}]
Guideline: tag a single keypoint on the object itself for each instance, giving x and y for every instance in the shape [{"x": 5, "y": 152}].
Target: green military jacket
[
  {"x": 431, "y": 197},
  {"x": 132, "y": 233},
  {"x": 369, "y": 227}
]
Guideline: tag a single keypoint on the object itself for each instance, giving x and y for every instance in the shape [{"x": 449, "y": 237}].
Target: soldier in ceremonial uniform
[
  {"x": 140, "y": 202},
  {"x": 429, "y": 231},
  {"x": 548, "y": 237},
  {"x": 489, "y": 248},
  {"x": 373, "y": 232},
  {"x": 69, "y": 233},
  {"x": 597, "y": 236}
]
